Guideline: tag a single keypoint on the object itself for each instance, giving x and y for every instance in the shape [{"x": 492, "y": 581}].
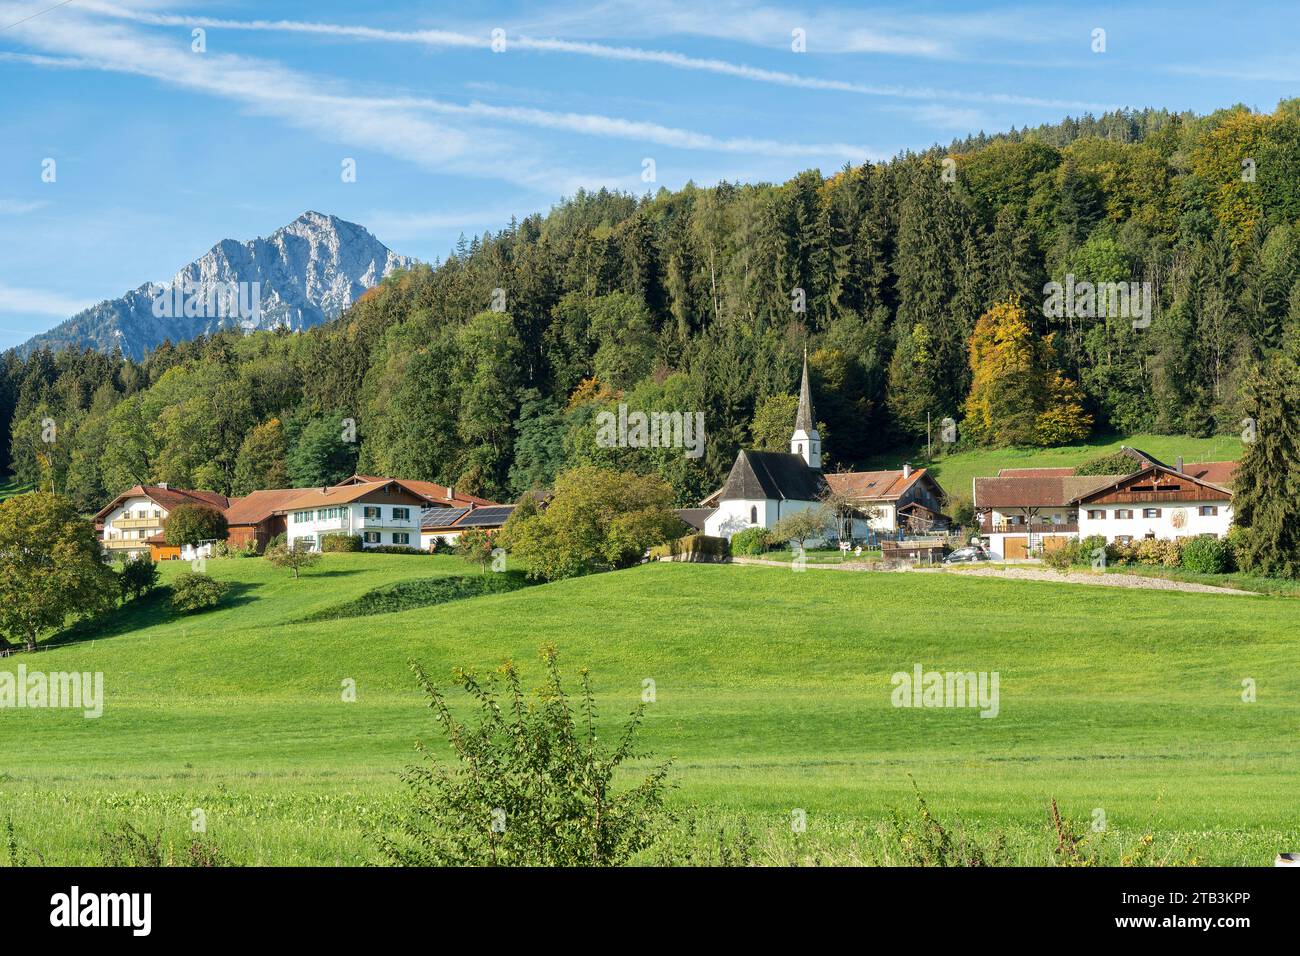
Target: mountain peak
[{"x": 305, "y": 273}]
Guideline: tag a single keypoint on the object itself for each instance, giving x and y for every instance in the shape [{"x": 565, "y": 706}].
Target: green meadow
[{"x": 772, "y": 694}]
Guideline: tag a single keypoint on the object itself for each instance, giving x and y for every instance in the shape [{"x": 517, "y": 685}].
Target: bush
[
  {"x": 693, "y": 547},
  {"x": 392, "y": 549},
  {"x": 1116, "y": 463},
  {"x": 340, "y": 542},
  {"x": 1207, "y": 556},
  {"x": 1158, "y": 553},
  {"x": 751, "y": 541},
  {"x": 196, "y": 592},
  {"x": 137, "y": 578},
  {"x": 531, "y": 785},
  {"x": 279, "y": 541}
]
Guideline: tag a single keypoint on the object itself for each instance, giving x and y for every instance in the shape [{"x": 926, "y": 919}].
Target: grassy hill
[
  {"x": 956, "y": 471},
  {"x": 773, "y": 693}
]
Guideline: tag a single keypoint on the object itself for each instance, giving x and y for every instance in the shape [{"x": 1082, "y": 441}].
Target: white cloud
[
  {"x": 828, "y": 33},
  {"x": 20, "y": 207},
  {"x": 19, "y": 301},
  {"x": 396, "y": 126}
]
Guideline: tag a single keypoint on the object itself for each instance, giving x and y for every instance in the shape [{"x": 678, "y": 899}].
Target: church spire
[
  {"x": 803, "y": 421},
  {"x": 805, "y": 442}
]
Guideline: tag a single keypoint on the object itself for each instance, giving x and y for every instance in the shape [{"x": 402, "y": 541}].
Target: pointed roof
[
  {"x": 803, "y": 421},
  {"x": 772, "y": 474}
]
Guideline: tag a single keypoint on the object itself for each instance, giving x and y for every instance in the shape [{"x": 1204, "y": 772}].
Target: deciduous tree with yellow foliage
[{"x": 1017, "y": 396}]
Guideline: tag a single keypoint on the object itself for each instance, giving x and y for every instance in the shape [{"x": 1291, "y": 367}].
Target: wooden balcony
[
  {"x": 125, "y": 523},
  {"x": 118, "y": 544},
  {"x": 1037, "y": 527}
]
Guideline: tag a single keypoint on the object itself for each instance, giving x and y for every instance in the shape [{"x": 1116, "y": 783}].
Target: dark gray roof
[
  {"x": 694, "y": 517},
  {"x": 772, "y": 474},
  {"x": 803, "y": 421}
]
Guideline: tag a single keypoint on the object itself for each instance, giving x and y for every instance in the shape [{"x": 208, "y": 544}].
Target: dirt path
[
  {"x": 1025, "y": 574},
  {"x": 1100, "y": 580}
]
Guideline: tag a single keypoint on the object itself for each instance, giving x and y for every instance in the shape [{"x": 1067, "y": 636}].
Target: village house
[
  {"x": 378, "y": 510},
  {"x": 763, "y": 487},
  {"x": 1024, "y": 511},
  {"x": 132, "y": 523}
]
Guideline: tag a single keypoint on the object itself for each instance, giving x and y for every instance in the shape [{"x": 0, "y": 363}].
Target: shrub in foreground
[
  {"x": 196, "y": 592},
  {"x": 530, "y": 786},
  {"x": 1207, "y": 556},
  {"x": 340, "y": 542},
  {"x": 751, "y": 541}
]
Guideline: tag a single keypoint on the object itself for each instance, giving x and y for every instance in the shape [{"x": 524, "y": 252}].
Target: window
[
  {"x": 1123, "y": 539},
  {"x": 371, "y": 537},
  {"x": 1151, "y": 512},
  {"x": 1096, "y": 514},
  {"x": 753, "y": 515},
  {"x": 1208, "y": 511},
  {"x": 1123, "y": 513},
  {"x": 370, "y": 511},
  {"x": 401, "y": 537},
  {"x": 401, "y": 514}
]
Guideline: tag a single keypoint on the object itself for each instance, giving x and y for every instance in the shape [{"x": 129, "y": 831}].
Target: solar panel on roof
[
  {"x": 440, "y": 517},
  {"x": 484, "y": 516}
]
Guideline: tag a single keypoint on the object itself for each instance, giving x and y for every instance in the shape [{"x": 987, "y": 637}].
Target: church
[{"x": 765, "y": 486}]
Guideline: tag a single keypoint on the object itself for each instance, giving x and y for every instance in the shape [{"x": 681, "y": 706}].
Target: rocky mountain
[{"x": 301, "y": 275}]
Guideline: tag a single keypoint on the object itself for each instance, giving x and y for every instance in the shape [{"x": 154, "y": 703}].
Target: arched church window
[
  {"x": 753, "y": 515},
  {"x": 800, "y": 449}
]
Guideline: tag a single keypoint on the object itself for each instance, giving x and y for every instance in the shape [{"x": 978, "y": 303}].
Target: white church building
[{"x": 764, "y": 486}]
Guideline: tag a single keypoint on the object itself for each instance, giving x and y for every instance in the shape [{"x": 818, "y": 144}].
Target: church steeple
[{"x": 805, "y": 441}]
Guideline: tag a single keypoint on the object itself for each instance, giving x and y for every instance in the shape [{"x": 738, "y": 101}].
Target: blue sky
[{"x": 162, "y": 151}]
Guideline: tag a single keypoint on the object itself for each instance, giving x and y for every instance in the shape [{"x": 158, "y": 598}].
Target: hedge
[
  {"x": 340, "y": 542},
  {"x": 693, "y": 547}
]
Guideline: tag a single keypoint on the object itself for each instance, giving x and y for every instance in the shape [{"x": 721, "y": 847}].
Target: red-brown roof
[
  {"x": 1035, "y": 491},
  {"x": 167, "y": 498},
  {"x": 346, "y": 494},
  {"x": 260, "y": 505},
  {"x": 877, "y": 485},
  {"x": 1215, "y": 472},
  {"x": 436, "y": 494}
]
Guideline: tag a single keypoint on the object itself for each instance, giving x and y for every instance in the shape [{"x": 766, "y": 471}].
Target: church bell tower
[{"x": 805, "y": 442}]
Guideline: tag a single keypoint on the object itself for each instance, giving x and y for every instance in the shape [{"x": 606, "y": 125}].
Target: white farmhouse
[
  {"x": 382, "y": 512},
  {"x": 1026, "y": 510}
]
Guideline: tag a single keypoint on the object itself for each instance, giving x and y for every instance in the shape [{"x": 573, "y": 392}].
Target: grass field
[
  {"x": 956, "y": 471},
  {"x": 773, "y": 694}
]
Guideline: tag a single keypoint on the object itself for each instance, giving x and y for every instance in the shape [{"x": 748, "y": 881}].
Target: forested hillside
[{"x": 703, "y": 299}]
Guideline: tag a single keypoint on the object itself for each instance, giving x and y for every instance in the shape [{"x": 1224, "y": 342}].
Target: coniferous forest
[{"x": 917, "y": 286}]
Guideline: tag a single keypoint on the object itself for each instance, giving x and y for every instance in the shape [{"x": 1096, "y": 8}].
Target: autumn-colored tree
[{"x": 1016, "y": 396}]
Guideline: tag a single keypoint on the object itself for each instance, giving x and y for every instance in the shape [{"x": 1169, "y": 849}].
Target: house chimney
[
  {"x": 907, "y": 470},
  {"x": 450, "y": 494},
  {"x": 1178, "y": 465},
  {"x": 162, "y": 485}
]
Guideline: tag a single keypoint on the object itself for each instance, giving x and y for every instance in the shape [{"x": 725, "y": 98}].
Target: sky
[{"x": 457, "y": 117}]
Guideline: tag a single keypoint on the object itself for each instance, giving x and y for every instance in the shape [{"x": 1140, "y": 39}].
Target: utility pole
[{"x": 927, "y": 437}]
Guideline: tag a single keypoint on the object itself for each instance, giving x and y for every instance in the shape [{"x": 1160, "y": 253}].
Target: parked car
[{"x": 965, "y": 555}]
